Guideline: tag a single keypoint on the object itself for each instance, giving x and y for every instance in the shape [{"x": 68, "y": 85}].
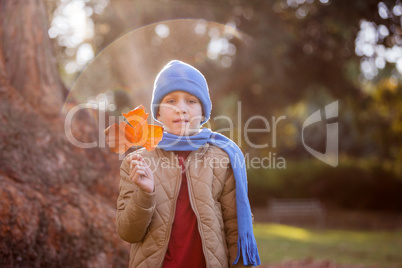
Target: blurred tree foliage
[{"x": 299, "y": 56}]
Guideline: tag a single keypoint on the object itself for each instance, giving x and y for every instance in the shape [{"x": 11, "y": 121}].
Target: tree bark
[
  {"x": 57, "y": 201},
  {"x": 28, "y": 55}
]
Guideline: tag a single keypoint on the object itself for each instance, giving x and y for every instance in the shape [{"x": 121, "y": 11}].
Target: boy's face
[{"x": 180, "y": 113}]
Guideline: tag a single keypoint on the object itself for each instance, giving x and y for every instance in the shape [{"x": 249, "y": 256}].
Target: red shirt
[{"x": 185, "y": 246}]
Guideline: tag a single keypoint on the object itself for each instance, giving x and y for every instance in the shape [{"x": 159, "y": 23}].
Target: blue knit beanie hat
[{"x": 180, "y": 76}]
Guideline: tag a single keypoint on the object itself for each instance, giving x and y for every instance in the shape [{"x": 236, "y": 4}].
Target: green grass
[{"x": 278, "y": 243}]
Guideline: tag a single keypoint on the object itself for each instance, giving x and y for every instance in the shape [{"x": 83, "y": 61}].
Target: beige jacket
[{"x": 145, "y": 220}]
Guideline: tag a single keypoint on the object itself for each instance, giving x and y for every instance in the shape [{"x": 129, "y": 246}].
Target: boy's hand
[{"x": 141, "y": 174}]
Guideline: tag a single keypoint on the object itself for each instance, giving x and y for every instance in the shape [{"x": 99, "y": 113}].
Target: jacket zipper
[
  {"x": 171, "y": 220},
  {"x": 189, "y": 184}
]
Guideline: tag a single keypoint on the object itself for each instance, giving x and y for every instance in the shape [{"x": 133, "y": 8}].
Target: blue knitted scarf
[{"x": 246, "y": 244}]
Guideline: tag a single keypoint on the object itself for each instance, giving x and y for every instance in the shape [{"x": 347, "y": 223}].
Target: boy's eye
[
  {"x": 191, "y": 101},
  {"x": 170, "y": 101}
]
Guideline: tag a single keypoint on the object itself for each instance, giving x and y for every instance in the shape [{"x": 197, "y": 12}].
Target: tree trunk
[
  {"x": 28, "y": 54},
  {"x": 57, "y": 201}
]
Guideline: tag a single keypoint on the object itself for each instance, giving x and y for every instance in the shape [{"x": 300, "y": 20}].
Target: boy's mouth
[{"x": 181, "y": 121}]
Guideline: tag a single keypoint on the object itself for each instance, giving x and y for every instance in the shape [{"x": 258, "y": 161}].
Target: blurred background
[{"x": 269, "y": 58}]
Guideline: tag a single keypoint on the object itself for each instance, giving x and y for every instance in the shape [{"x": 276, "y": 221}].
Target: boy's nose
[{"x": 181, "y": 107}]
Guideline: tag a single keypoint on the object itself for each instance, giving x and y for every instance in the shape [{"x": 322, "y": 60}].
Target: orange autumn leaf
[
  {"x": 155, "y": 136},
  {"x": 137, "y": 133},
  {"x": 116, "y": 138}
]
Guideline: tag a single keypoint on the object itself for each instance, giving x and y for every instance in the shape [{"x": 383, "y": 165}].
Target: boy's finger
[
  {"x": 145, "y": 164},
  {"x": 139, "y": 157},
  {"x": 141, "y": 172},
  {"x": 136, "y": 163},
  {"x": 134, "y": 170},
  {"x": 137, "y": 166},
  {"x": 131, "y": 158},
  {"x": 137, "y": 169},
  {"x": 135, "y": 173},
  {"x": 137, "y": 176},
  {"x": 135, "y": 157}
]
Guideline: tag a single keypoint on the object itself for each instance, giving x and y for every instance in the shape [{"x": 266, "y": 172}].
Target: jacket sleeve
[
  {"x": 228, "y": 205},
  {"x": 134, "y": 207}
]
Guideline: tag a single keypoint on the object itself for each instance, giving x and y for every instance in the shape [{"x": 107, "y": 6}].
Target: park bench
[{"x": 297, "y": 211}]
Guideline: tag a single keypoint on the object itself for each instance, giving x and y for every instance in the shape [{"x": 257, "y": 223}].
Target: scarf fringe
[{"x": 247, "y": 248}]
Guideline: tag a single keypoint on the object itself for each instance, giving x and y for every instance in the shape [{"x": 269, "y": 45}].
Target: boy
[{"x": 185, "y": 204}]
